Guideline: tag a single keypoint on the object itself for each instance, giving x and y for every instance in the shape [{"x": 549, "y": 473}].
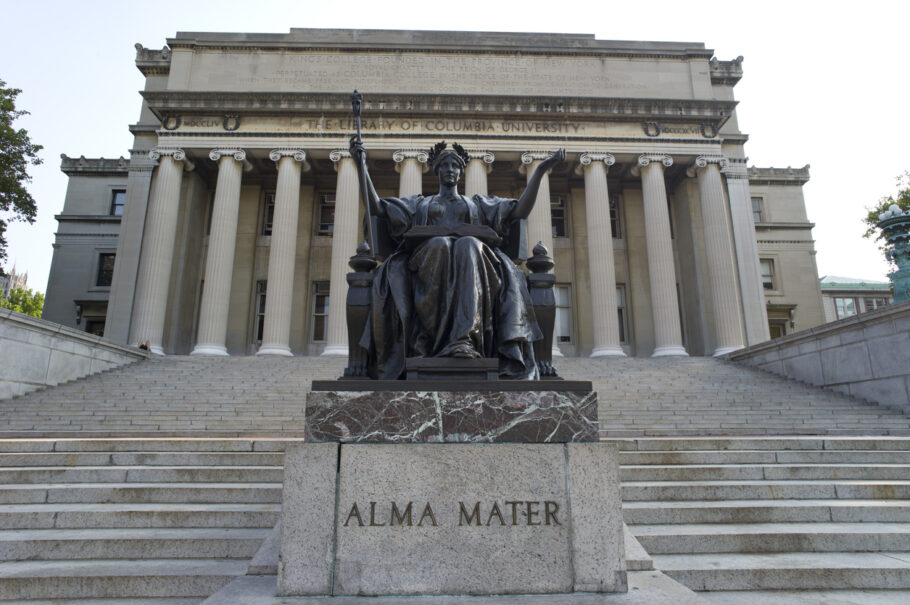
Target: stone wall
[
  {"x": 866, "y": 356},
  {"x": 36, "y": 353}
]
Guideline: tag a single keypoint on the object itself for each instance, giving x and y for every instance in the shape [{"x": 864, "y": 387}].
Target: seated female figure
[{"x": 446, "y": 293}]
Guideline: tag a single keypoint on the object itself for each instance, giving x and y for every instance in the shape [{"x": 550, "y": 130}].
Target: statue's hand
[
  {"x": 356, "y": 149},
  {"x": 556, "y": 158}
]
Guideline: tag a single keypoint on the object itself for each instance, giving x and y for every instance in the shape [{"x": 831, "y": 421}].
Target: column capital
[
  {"x": 589, "y": 157},
  {"x": 336, "y": 155},
  {"x": 299, "y": 155},
  {"x": 175, "y": 153},
  {"x": 486, "y": 157},
  {"x": 703, "y": 161},
  {"x": 420, "y": 155},
  {"x": 646, "y": 158},
  {"x": 238, "y": 154}
]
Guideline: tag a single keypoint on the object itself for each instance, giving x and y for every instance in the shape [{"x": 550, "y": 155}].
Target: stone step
[
  {"x": 766, "y": 511},
  {"x": 773, "y": 537},
  {"x": 111, "y": 578},
  {"x": 725, "y": 472},
  {"x": 143, "y": 445},
  {"x": 141, "y": 474},
  {"x": 765, "y": 457},
  {"x": 806, "y": 597},
  {"x": 106, "y": 515},
  {"x": 141, "y": 492},
  {"x": 788, "y": 571},
  {"x": 142, "y": 459},
  {"x": 118, "y": 601},
  {"x": 635, "y": 491},
  {"x": 774, "y": 443},
  {"x": 119, "y": 543}
]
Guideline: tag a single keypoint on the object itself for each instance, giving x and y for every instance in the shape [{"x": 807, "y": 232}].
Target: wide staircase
[{"x": 156, "y": 483}]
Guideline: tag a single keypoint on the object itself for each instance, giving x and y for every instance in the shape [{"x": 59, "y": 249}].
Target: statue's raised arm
[{"x": 529, "y": 196}]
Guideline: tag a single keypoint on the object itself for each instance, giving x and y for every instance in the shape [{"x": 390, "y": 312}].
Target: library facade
[{"x": 229, "y": 227}]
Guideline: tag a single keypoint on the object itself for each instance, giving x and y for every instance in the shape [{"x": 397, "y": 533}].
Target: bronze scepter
[{"x": 356, "y": 104}]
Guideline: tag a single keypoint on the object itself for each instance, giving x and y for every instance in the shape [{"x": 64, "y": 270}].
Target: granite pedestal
[{"x": 503, "y": 490}]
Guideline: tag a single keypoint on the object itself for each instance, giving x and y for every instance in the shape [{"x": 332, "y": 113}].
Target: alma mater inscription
[{"x": 512, "y": 513}]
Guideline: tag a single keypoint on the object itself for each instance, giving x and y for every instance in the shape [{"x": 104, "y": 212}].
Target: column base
[
  {"x": 209, "y": 350},
  {"x": 608, "y": 351},
  {"x": 556, "y": 352},
  {"x": 669, "y": 352},
  {"x": 157, "y": 350},
  {"x": 331, "y": 350},
  {"x": 724, "y": 350},
  {"x": 282, "y": 350}
]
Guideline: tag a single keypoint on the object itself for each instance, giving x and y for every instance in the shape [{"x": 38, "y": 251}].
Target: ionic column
[
  {"x": 661, "y": 268},
  {"x": 728, "y": 332},
  {"x": 410, "y": 164},
  {"x": 750, "y": 284},
  {"x": 276, "y": 332},
  {"x": 540, "y": 223},
  {"x": 344, "y": 245},
  {"x": 600, "y": 253},
  {"x": 219, "y": 262},
  {"x": 475, "y": 173},
  {"x": 158, "y": 252}
]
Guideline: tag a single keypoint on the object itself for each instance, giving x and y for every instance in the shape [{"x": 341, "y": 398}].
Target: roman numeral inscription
[{"x": 481, "y": 514}]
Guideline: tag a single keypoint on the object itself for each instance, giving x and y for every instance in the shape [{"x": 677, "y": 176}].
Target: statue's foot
[{"x": 464, "y": 351}]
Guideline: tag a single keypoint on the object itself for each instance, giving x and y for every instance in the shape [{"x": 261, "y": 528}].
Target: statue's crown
[{"x": 439, "y": 149}]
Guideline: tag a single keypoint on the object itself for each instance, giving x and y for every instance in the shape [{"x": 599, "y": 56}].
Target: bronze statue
[{"x": 448, "y": 289}]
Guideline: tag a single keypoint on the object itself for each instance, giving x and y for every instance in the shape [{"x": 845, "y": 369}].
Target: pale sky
[{"x": 825, "y": 84}]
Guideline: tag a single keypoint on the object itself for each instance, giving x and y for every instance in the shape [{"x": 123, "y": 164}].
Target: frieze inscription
[{"x": 528, "y": 513}]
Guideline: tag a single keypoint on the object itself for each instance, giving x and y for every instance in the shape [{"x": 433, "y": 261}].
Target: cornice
[
  {"x": 86, "y": 218},
  {"x": 408, "y": 41},
  {"x": 726, "y": 72},
  {"x": 153, "y": 62},
  {"x": 93, "y": 166},
  {"x": 711, "y": 111},
  {"x": 779, "y": 176}
]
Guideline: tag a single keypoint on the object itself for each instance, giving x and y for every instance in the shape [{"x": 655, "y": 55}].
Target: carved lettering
[
  {"x": 354, "y": 513},
  {"x": 514, "y": 504},
  {"x": 373, "y": 516},
  {"x": 532, "y": 512},
  {"x": 400, "y": 518},
  {"x": 550, "y": 510},
  {"x": 427, "y": 512},
  {"x": 495, "y": 511},
  {"x": 464, "y": 518}
]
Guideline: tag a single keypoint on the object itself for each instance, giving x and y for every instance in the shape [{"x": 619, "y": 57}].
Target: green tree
[
  {"x": 16, "y": 154},
  {"x": 902, "y": 199},
  {"x": 24, "y": 301}
]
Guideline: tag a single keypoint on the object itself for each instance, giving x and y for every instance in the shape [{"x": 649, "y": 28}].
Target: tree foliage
[
  {"x": 24, "y": 301},
  {"x": 902, "y": 199},
  {"x": 17, "y": 152}
]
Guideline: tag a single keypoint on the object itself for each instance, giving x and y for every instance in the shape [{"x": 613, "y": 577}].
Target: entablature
[
  {"x": 726, "y": 72},
  {"x": 779, "y": 176},
  {"x": 153, "y": 62},
  {"x": 93, "y": 166}
]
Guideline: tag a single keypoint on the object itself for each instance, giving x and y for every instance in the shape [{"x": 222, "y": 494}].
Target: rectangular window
[
  {"x": 95, "y": 326},
  {"x": 563, "y": 314},
  {"x": 621, "y": 312},
  {"x": 268, "y": 212},
  {"x": 105, "y": 270},
  {"x": 874, "y": 303},
  {"x": 845, "y": 307},
  {"x": 757, "y": 209},
  {"x": 320, "y": 310},
  {"x": 558, "y": 216},
  {"x": 614, "y": 217},
  {"x": 259, "y": 322},
  {"x": 118, "y": 199},
  {"x": 325, "y": 222},
  {"x": 767, "y": 274}
]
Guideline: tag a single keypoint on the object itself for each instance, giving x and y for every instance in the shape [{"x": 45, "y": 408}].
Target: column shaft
[
  {"x": 411, "y": 181},
  {"x": 753, "y": 294},
  {"x": 344, "y": 244},
  {"x": 158, "y": 251},
  {"x": 540, "y": 222},
  {"x": 600, "y": 258},
  {"x": 475, "y": 174},
  {"x": 728, "y": 334},
  {"x": 219, "y": 261},
  {"x": 661, "y": 268},
  {"x": 276, "y": 333}
]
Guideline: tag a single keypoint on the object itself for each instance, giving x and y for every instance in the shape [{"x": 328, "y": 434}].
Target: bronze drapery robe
[{"x": 450, "y": 291}]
